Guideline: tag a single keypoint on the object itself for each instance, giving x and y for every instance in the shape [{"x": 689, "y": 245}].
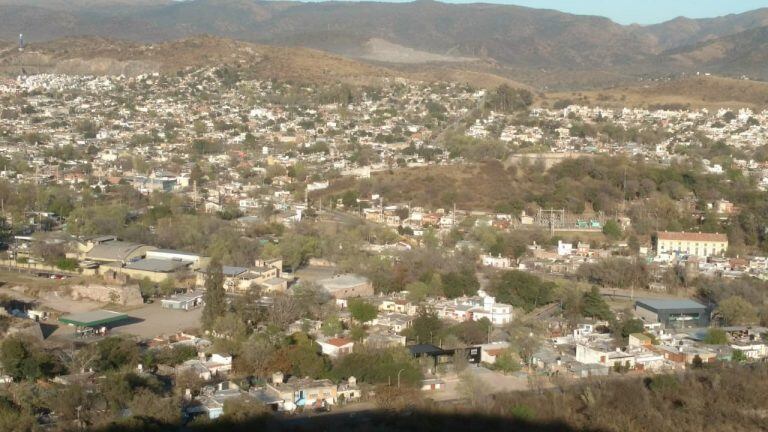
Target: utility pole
[{"x": 194, "y": 194}]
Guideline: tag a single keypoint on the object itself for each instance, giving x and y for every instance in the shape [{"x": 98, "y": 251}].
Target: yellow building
[{"x": 702, "y": 245}]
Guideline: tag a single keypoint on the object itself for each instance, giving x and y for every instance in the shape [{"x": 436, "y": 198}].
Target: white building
[
  {"x": 496, "y": 262},
  {"x": 564, "y": 249}
]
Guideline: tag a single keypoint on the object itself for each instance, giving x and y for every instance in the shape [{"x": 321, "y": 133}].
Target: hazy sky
[
  {"x": 644, "y": 11},
  {"x": 635, "y": 11}
]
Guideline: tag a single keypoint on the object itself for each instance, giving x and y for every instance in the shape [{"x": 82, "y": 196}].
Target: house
[
  {"x": 752, "y": 350},
  {"x": 398, "y": 305},
  {"x": 603, "y": 355},
  {"x": 212, "y": 398},
  {"x": 301, "y": 392},
  {"x": 496, "y": 261},
  {"x": 490, "y": 352},
  {"x": 394, "y": 322},
  {"x": 206, "y": 367},
  {"x": 564, "y": 249},
  {"x": 639, "y": 340},
  {"x": 432, "y": 384},
  {"x": 384, "y": 340},
  {"x": 336, "y": 347},
  {"x": 686, "y": 354},
  {"x": 650, "y": 361},
  {"x": 348, "y": 391},
  {"x": 475, "y": 308},
  {"x": 265, "y": 275}
]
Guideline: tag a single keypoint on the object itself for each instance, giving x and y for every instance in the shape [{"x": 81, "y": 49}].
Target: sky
[
  {"x": 635, "y": 11},
  {"x": 643, "y": 11}
]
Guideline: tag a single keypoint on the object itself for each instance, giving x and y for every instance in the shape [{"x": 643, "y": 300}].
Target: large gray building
[{"x": 675, "y": 313}]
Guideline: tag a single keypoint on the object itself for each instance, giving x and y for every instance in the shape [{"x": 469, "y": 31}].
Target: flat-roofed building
[
  {"x": 347, "y": 286},
  {"x": 674, "y": 313},
  {"x": 185, "y": 302},
  {"x": 702, "y": 245}
]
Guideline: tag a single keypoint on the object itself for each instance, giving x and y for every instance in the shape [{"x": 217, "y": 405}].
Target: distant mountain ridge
[{"x": 511, "y": 36}]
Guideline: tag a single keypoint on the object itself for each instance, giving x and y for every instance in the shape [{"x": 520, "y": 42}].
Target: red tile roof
[
  {"x": 339, "y": 342},
  {"x": 686, "y": 236}
]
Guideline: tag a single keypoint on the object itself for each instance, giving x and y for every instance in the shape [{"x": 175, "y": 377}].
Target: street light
[{"x": 398, "y": 377}]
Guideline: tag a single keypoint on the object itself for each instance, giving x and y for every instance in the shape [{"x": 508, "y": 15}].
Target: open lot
[{"x": 145, "y": 322}]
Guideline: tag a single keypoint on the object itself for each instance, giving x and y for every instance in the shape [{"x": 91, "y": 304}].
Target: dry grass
[{"x": 696, "y": 92}]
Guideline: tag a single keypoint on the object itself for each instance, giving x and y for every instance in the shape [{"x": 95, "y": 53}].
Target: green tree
[
  {"x": 716, "y": 336},
  {"x": 507, "y": 361},
  {"x": 115, "y": 353},
  {"x": 362, "y": 311},
  {"x": 215, "y": 296},
  {"x": 379, "y": 366},
  {"x": 738, "y": 356},
  {"x": 23, "y": 358},
  {"x": 425, "y": 326},
  {"x": 628, "y": 326},
  {"x": 522, "y": 290},
  {"x": 472, "y": 332},
  {"x": 305, "y": 358},
  {"x": 593, "y": 305},
  {"x": 612, "y": 230},
  {"x": 331, "y": 326},
  {"x": 508, "y": 99},
  {"x": 167, "y": 286},
  {"x": 243, "y": 409},
  {"x": 147, "y": 288},
  {"x": 459, "y": 283},
  {"x": 67, "y": 264},
  {"x": 296, "y": 249},
  {"x": 735, "y": 310}
]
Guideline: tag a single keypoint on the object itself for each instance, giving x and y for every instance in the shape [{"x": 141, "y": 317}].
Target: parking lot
[{"x": 146, "y": 322}]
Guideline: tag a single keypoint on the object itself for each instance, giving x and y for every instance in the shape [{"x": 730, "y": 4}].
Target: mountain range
[{"x": 503, "y": 39}]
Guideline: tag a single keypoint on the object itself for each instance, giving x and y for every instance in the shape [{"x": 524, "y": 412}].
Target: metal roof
[
  {"x": 157, "y": 265},
  {"x": 93, "y": 318},
  {"x": 233, "y": 271},
  {"x": 186, "y": 297},
  {"x": 660, "y": 304},
  {"x": 342, "y": 282},
  {"x": 113, "y": 250}
]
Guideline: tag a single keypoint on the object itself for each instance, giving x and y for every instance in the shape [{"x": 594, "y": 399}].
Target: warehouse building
[{"x": 675, "y": 313}]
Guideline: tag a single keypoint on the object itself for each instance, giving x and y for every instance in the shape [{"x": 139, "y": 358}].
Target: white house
[
  {"x": 496, "y": 261},
  {"x": 564, "y": 249},
  {"x": 336, "y": 347}
]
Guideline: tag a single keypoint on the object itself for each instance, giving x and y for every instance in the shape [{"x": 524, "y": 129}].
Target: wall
[{"x": 125, "y": 295}]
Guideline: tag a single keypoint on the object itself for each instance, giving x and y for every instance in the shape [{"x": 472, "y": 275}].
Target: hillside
[
  {"x": 93, "y": 55},
  {"x": 696, "y": 92},
  {"x": 545, "y": 44},
  {"x": 742, "y": 53},
  {"x": 103, "y": 56},
  {"x": 681, "y": 31}
]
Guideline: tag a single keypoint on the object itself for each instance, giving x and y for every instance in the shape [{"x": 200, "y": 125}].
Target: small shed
[{"x": 183, "y": 301}]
